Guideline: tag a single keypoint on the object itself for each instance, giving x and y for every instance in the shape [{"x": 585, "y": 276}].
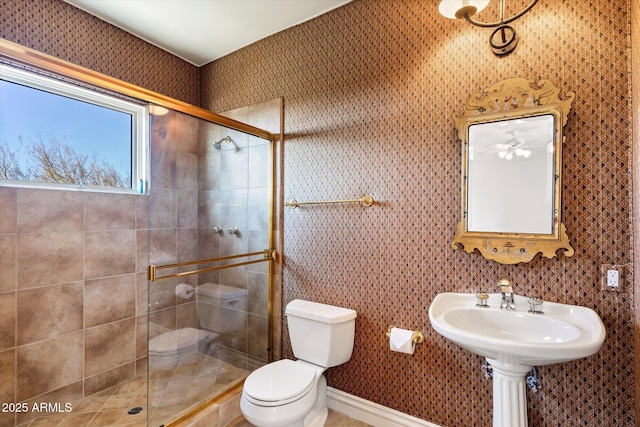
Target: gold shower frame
[{"x": 511, "y": 99}]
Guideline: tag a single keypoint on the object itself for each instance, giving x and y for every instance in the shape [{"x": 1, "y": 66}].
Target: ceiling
[{"x": 200, "y": 31}]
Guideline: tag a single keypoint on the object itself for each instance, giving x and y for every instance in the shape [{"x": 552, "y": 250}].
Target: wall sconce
[{"x": 503, "y": 39}]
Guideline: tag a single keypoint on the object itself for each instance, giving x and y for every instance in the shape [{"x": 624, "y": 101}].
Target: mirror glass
[{"x": 510, "y": 177}]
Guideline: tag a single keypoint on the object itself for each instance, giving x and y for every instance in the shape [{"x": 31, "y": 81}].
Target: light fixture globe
[
  {"x": 157, "y": 110},
  {"x": 457, "y": 9},
  {"x": 503, "y": 40}
]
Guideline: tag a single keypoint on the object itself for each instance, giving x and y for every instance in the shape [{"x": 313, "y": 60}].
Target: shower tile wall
[
  {"x": 196, "y": 188},
  {"x": 267, "y": 115},
  {"x": 234, "y": 193},
  {"x": 68, "y": 293},
  {"x": 172, "y": 227}
]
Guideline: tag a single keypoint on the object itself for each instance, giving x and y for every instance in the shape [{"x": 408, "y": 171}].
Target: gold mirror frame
[{"x": 511, "y": 99}]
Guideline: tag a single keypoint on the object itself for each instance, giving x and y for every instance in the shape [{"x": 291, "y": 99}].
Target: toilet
[
  {"x": 290, "y": 393},
  {"x": 166, "y": 349},
  {"x": 221, "y": 310}
]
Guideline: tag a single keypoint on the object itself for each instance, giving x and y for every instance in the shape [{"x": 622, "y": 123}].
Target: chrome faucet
[{"x": 504, "y": 283}]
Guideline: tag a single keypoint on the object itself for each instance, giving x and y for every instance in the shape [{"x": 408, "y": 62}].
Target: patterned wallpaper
[
  {"x": 369, "y": 92},
  {"x": 58, "y": 29}
]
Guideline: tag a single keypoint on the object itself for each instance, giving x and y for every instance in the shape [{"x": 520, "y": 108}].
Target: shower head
[{"x": 218, "y": 144}]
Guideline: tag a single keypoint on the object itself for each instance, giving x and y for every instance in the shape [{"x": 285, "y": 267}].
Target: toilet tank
[
  {"x": 321, "y": 334},
  {"x": 221, "y": 308}
]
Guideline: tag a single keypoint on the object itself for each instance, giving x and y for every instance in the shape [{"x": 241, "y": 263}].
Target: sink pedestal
[{"x": 509, "y": 394}]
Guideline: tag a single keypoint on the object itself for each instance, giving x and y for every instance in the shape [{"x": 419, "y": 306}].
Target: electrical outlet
[{"x": 613, "y": 278}]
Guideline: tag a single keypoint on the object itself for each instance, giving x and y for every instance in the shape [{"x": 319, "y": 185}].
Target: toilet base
[{"x": 318, "y": 414}]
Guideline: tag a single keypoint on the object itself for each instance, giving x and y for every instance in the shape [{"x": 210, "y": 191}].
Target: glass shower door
[{"x": 209, "y": 237}]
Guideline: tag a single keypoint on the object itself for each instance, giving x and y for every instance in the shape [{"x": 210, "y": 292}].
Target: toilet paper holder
[{"x": 417, "y": 337}]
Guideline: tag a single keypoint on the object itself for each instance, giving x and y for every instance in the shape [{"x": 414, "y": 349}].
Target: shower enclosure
[
  {"x": 85, "y": 337},
  {"x": 210, "y": 238}
]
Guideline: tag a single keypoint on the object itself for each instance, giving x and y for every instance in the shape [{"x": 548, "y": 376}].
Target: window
[{"x": 54, "y": 133}]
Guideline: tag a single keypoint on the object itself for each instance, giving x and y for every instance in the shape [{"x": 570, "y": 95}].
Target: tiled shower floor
[{"x": 172, "y": 391}]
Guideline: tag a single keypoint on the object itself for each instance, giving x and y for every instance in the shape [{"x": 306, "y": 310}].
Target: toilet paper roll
[
  {"x": 401, "y": 340},
  {"x": 184, "y": 291}
]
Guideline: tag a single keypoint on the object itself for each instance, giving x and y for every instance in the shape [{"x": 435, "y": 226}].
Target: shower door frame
[{"x": 269, "y": 255}]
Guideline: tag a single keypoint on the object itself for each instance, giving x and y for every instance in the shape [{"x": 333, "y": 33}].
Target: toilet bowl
[
  {"x": 167, "y": 348},
  {"x": 290, "y": 393},
  {"x": 221, "y": 310}
]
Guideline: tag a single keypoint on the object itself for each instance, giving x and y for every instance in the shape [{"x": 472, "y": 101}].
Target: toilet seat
[{"x": 280, "y": 383}]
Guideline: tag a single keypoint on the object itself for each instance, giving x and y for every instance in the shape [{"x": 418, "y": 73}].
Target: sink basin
[
  {"x": 514, "y": 341},
  {"x": 518, "y": 327},
  {"x": 563, "y": 333}
]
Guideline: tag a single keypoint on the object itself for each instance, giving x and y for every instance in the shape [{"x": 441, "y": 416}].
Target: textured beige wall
[{"x": 369, "y": 92}]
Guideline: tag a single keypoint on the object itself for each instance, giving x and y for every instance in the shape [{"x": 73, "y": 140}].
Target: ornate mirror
[{"x": 512, "y": 171}]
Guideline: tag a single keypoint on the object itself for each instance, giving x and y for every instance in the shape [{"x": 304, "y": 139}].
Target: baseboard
[{"x": 370, "y": 412}]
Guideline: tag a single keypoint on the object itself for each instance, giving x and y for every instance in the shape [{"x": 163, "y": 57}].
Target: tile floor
[
  {"x": 335, "y": 419},
  {"x": 172, "y": 391}
]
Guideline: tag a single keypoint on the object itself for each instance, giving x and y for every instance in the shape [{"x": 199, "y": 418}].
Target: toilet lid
[{"x": 280, "y": 381}]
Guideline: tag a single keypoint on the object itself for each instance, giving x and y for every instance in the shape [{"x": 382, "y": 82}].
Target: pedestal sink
[{"x": 514, "y": 341}]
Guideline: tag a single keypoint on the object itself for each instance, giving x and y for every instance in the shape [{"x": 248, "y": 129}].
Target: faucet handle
[
  {"x": 481, "y": 300},
  {"x": 504, "y": 283},
  {"x": 535, "y": 305}
]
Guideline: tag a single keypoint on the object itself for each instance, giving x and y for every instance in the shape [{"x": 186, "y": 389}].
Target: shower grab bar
[
  {"x": 365, "y": 201},
  {"x": 152, "y": 270}
]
